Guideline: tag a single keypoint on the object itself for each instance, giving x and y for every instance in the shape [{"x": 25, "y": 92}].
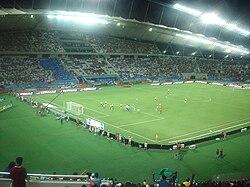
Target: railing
[{"x": 48, "y": 180}]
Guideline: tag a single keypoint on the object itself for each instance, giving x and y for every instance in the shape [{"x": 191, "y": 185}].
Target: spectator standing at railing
[
  {"x": 18, "y": 174},
  {"x": 8, "y": 168}
]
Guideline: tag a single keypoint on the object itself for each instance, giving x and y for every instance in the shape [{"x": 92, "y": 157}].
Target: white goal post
[{"x": 74, "y": 107}]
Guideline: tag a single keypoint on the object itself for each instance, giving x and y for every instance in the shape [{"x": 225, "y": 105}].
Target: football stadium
[{"x": 124, "y": 93}]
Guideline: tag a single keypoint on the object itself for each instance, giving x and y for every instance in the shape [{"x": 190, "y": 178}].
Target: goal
[{"x": 74, "y": 108}]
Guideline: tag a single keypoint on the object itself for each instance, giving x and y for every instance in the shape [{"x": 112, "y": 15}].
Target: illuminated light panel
[
  {"x": 211, "y": 18},
  {"x": 185, "y": 9},
  {"x": 81, "y": 18},
  {"x": 227, "y": 48}
]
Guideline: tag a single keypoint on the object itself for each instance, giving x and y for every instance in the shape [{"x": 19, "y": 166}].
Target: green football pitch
[
  {"x": 207, "y": 110},
  {"x": 48, "y": 146}
]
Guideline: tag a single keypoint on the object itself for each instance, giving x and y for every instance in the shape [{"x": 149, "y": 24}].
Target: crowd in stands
[
  {"x": 19, "y": 70},
  {"x": 22, "y": 70},
  {"x": 95, "y": 181},
  {"x": 71, "y": 41},
  {"x": 116, "y": 45},
  {"x": 30, "y": 41},
  {"x": 88, "y": 65},
  {"x": 56, "y": 67},
  {"x": 143, "y": 67}
]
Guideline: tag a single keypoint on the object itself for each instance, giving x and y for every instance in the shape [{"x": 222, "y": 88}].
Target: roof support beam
[
  {"x": 145, "y": 17},
  {"x": 113, "y": 14},
  {"x": 131, "y": 8},
  {"x": 162, "y": 12}
]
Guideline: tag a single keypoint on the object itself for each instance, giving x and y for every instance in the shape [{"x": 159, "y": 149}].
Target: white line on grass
[
  {"x": 141, "y": 122},
  {"x": 115, "y": 126},
  {"x": 205, "y": 129},
  {"x": 208, "y": 133},
  {"x": 103, "y": 114}
]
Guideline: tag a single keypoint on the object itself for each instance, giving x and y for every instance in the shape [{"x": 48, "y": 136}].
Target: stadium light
[
  {"x": 228, "y": 48},
  {"x": 81, "y": 18},
  {"x": 187, "y": 10},
  {"x": 211, "y": 18}
]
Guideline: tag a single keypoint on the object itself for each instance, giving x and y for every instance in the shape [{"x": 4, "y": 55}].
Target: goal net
[{"x": 74, "y": 108}]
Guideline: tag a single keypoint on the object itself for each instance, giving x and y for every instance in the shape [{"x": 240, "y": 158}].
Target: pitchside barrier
[
  {"x": 191, "y": 144},
  {"x": 46, "y": 180},
  {"x": 230, "y": 176}
]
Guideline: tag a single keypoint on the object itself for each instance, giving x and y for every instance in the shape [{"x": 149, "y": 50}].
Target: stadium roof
[{"x": 141, "y": 20}]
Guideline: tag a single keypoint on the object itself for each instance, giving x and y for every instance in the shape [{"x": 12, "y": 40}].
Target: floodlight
[
  {"x": 227, "y": 47},
  {"x": 31, "y": 16},
  {"x": 50, "y": 16},
  {"x": 210, "y": 56},
  {"x": 81, "y": 18},
  {"x": 211, "y": 18},
  {"x": 150, "y": 29},
  {"x": 178, "y": 52},
  {"x": 187, "y": 10},
  {"x": 118, "y": 24},
  {"x": 193, "y": 53},
  {"x": 226, "y": 56},
  {"x": 164, "y": 51},
  {"x": 231, "y": 26},
  {"x": 241, "y": 56}
]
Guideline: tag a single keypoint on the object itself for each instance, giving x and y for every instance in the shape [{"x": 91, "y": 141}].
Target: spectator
[
  {"x": 18, "y": 174},
  {"x": 162, "y": 182},
  {"x": 8, "y": 168}
]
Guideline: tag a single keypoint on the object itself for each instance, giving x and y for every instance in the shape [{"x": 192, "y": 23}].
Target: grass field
[
  {"x": 209, "y": 109},
  {"x": 48, "y": 146}
]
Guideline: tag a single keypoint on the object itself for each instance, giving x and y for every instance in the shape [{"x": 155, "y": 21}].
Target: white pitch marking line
[
  {"x": 141, "y": 122},
  {"x": 204, "y": 129},
  {"x": 103, "y": 114},
  {"x": 115, "y": 126},
  {"x": 208, "y": 133}
]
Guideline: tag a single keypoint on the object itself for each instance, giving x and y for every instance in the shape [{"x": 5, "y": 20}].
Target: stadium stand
[
  {"x": 23, "y": 70},
  {"x": 54, "y": 65},
  {"x": 30, "y": 41}
]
